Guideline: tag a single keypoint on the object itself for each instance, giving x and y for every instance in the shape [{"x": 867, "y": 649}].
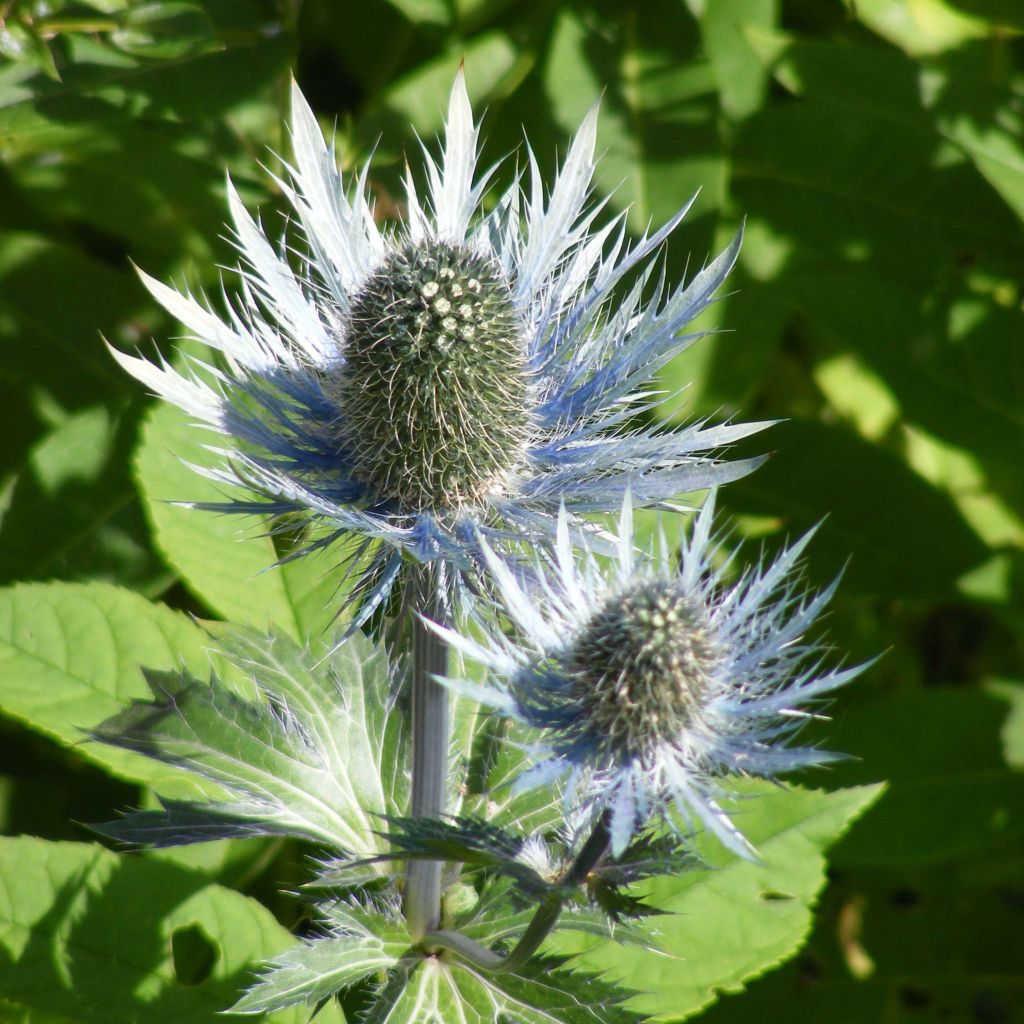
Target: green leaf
[
  {"x": 362, "y": 942},
  {"x": 435, "y": 12},
  {"x": 72, "y": 509},
  {"x": 88, "y": 935},
  {"x": 658, "y": 132},
  {"x": 317, "y": 754},
  {"x": 467, "y": 840},
  {"x": 70, "y": 657},
  {"x": 101, "y": 84},
  {"x": 51, "y": 347},
  {"x": 228, "y": 561},
  {"x": 502, "y": 914},
  {"x": 163, "y": 30},
  {"x": 904, "y": 737},
  {"x": 980, "y": 813},
  {"x": 902, "y": 947},
  {"x": 924, "y": 27},
  {"x": 973, "y": 86},
  {"x": 999, "y": 13},
  {"x": 23, "y": 42},
  {"x": 916, "y": 541},
  {"x": 877, "y": 234},
  {"x": 421, "y": 97},
  {"x": 499, "y": 758},
  {"x": 740, "y": 919},
  {"x": 742, "y": 80},
  {"x": 1013, "y": 727}
]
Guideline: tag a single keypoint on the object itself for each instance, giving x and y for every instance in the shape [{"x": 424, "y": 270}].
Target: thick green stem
[
  {"x": 429, "y": 741},
  {"x": 544, "y": 919}
]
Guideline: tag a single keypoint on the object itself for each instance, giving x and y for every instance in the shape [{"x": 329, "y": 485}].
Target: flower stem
[
  {"x": 544, "y": 919},
  {"x": 422, "y": 903}
]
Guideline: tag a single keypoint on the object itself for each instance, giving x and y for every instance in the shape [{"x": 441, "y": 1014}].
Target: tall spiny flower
[
  {"x": 456, "y": 376},
  {"x": 652, "y": 684}
]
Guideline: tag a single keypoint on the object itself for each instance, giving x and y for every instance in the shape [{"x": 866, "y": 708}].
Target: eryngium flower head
[
  {"x": 653, "y": 682},
  {"x": 462, "y": 372}
]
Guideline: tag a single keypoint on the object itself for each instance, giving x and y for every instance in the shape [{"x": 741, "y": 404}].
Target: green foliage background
[{"x": 876, "y": 151}]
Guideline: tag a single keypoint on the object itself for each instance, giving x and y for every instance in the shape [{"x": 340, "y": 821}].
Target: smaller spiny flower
[
  {"x": 640, "y": 667},
  {"x": 652, "y": 683}
]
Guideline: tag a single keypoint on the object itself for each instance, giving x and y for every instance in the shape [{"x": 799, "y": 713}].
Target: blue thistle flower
[
  {"x": 652, "y": 682},
  {"x": 457, "y": 376}
]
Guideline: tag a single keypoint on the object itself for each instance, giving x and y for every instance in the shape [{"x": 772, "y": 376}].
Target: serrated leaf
[
  {"x": 738, "y": 920},
  {"x": 466, "y": 840},
  {"x": 179, "y": 824},
  {"x": 502, "y": 915},
  {"x": 71, "y": 511},
  {"x": 70, "y": 656},
  {"x": 363, "y": 942},
  {"x": 741, "y": 79},
  {"x": 1013, "y": 728},
  {"x": 499, "y": 758},
  {"x": 922, "y": 555},
  {"x": 228, "y": 561},
  {"x": 317, "y": 754},
  {"x": 437, "y": 991},
  {"x": 658, "y": 132},
  {"x": 88, "y": 935}
]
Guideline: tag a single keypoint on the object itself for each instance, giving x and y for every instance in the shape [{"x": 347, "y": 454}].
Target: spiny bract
[
  {"x": 651, "y": 685},
  {"x": 453, "y": 377}
]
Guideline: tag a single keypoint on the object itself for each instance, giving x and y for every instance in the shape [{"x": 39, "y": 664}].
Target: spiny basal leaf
[
  {"x": 439, "y": 991},
  {"x": 361, "y": 942},
  {"x": 316, "y": 754}
]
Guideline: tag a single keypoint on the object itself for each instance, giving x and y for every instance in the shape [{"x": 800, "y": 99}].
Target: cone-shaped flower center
[
  {"x": 641, "y": 666},
  {"x": 433, "y": 389}
]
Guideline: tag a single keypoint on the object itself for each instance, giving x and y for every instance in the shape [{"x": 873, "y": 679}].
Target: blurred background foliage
[{"x": 875, "y": 150}]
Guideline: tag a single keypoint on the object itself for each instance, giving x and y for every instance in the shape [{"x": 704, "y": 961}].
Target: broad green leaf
[
  {"x": 966, "y": 88},
  {"x": 70, "y": 657},
  {"x": 228, "y": 561},
  {"x": 902, "y": 948},
  {"x": 71, "y": 512},
  {"x": 895, "y": 247},
  {"x": 317, "y": 753},
  {"x": 919, "y": 903},
  {"x": 421, "y": 97},
  {"x": 739, "y": 919},
  {"x": 99, "y": 82},
  {"x": 915, "y": 542},
  {"x": 658, "y": 135},
  {"x": 997, "y": 12},
  {"x": 86, "y": 934},
  {"x": 52, "y": 348},
  {"x": 163, "y": 30},
  {"x": 1013, "y": 728},
  {"x": 980, "y": 814},
  {"x": 922, "y": 27},
  {"x": 433, "y": 12},
  {"x": 904, "y": 737},
  {"x": 741, "y": 79}
]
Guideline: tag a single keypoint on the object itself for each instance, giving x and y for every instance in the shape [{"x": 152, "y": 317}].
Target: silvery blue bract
[{"x": 454, "y": 377}]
